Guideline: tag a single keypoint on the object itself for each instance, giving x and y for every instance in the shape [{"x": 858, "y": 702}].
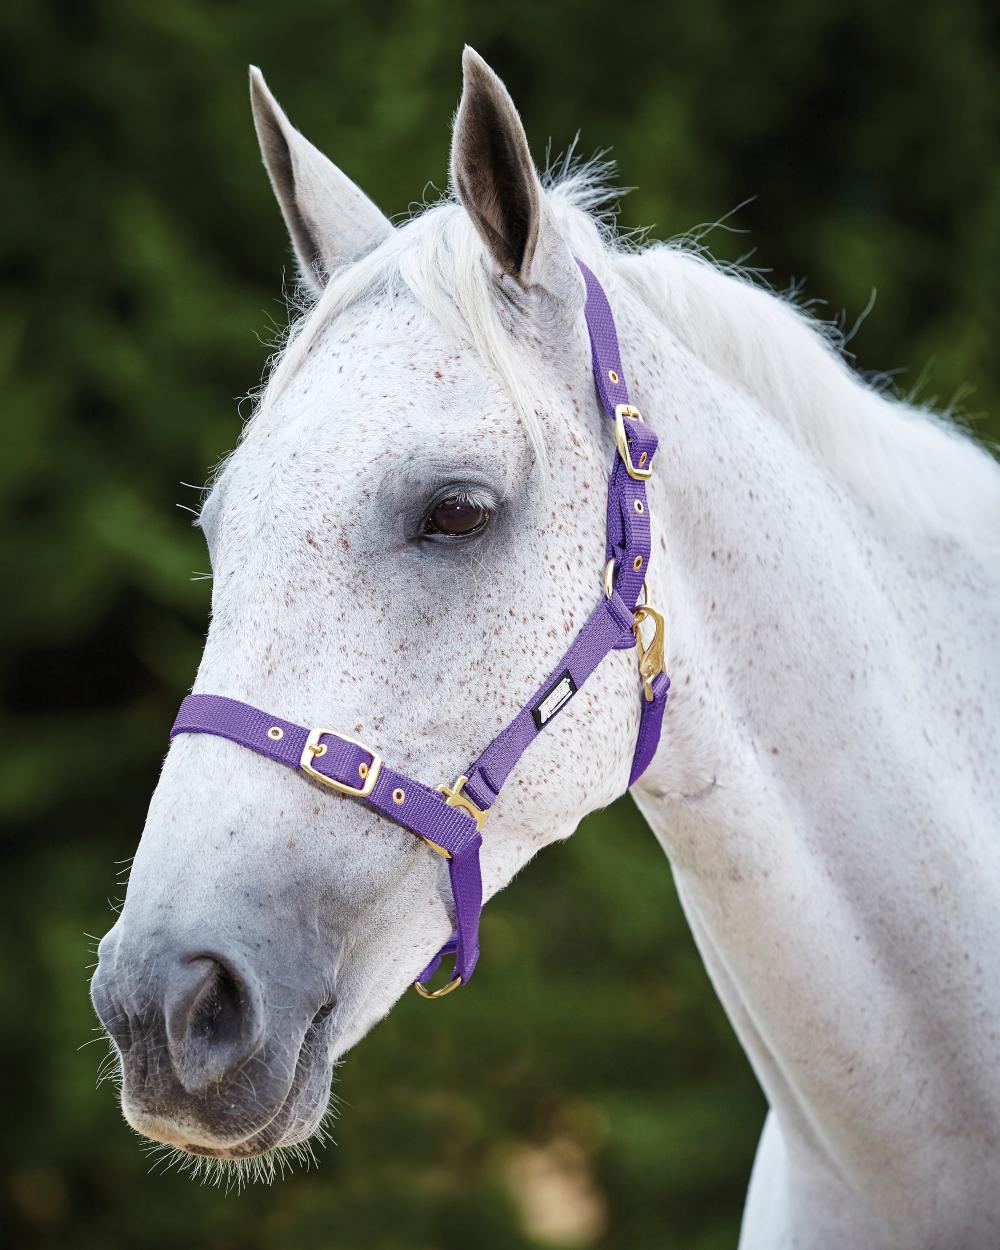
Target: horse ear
[
  {"x": 331, "y": 221},
  {"x": 496, "y": 182}
]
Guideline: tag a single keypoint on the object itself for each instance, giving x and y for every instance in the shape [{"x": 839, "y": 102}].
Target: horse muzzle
[{"x": 206, "y": 1064}]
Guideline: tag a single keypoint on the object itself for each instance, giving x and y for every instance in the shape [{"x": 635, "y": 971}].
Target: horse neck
[{"x": 796, "y": 790}]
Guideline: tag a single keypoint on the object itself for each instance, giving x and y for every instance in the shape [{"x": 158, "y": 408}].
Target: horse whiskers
[
  {"x": 232, "y": 1175},
  {"x": 109, "y": 1069},
  {"x": 101, "y": 1036}
]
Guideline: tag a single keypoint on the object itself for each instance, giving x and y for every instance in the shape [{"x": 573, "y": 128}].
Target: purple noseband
[{"x": 450, "y": 818}]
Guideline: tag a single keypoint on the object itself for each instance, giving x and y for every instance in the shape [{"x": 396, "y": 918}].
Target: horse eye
[{"x": 457, "y": 517}]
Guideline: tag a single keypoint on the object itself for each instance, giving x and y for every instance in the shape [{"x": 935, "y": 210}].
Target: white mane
[{"x": 913, "y": 467}]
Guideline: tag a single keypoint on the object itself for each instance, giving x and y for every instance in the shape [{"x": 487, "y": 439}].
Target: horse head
[{"x": 407, "y": 538}]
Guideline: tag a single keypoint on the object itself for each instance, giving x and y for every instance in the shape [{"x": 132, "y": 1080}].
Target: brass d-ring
[
  {"x": 432, "y": 995},
  {"x": 609, "y": 583}
]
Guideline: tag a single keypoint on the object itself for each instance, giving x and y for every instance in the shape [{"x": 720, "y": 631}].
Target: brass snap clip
[{"x": 651, "y": 654}]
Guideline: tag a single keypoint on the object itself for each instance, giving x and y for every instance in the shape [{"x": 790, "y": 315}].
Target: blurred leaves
[{"x": 143, "y": 261}]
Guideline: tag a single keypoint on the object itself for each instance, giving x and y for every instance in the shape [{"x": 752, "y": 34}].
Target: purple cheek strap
[{"x": 449, "y": 819}]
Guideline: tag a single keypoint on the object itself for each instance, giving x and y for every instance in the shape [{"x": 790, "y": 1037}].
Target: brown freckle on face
[
  {"x": 774, "y": 750},
  {"x": 291, "y": 844}
]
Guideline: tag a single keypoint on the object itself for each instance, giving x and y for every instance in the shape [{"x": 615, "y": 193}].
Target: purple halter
[{"x": 450, "y": 818}]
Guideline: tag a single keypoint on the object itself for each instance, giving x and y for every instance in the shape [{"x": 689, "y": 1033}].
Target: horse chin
[
  {"x": 296, "y": 1126},
  {"x": 294, "y": 1123}
]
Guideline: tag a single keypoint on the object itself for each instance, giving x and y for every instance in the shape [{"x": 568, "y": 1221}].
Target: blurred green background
[{"x": 588, "y": 1093}]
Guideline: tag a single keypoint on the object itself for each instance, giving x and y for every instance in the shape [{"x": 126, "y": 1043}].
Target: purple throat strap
[{"x": 450, "y": 819}]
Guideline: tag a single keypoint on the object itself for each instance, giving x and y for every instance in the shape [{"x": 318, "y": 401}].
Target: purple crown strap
[
  {"x": 605, "y": 355},
  {"x": 628, "y": 533}
]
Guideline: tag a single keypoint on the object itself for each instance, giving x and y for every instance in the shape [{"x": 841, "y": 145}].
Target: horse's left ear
[{"x": 495, "y": 180}]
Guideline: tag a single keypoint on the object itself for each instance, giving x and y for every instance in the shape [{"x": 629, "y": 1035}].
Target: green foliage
[{"x": 142, "y": 257}]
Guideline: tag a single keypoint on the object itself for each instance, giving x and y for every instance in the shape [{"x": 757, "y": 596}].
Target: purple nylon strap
[
  {"x": 407, "y": 802},
  {"x": 450, "y": 822}
]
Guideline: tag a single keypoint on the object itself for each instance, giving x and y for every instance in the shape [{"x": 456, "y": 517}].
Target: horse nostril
[
  {"x": 217, "y": 1005},
  {"x": 213, "y": 1019},
  {"x": 323, "y": 1012}
]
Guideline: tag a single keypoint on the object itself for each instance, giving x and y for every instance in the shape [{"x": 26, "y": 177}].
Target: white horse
[{"x": 406, "y": 539}]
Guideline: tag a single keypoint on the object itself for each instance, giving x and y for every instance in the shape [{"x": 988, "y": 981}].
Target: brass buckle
[
  {"x": 455, "y": 798},
  {"x": 621, "y": 442},
  {"x": 651, "y": 657},
  {"x": 433, "y": 995},
  {"x": 314, "y": 747}
]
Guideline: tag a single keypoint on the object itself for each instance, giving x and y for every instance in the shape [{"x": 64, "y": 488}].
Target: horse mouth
[
  {"x": 297, "y": 1117},
  {"x": 288, "y": 1127}
]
